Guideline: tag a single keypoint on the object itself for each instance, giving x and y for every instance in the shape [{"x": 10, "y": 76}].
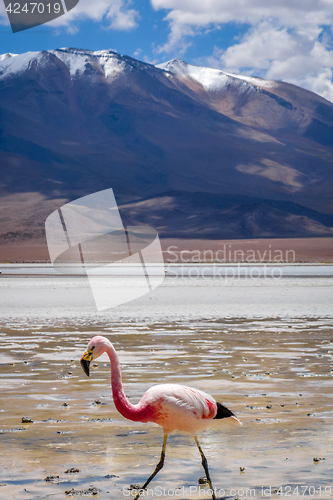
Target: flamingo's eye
[{"x": 93, "y": 347}]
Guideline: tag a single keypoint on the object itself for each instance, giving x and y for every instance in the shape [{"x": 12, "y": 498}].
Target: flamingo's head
[{"x": 96, "y": 347}]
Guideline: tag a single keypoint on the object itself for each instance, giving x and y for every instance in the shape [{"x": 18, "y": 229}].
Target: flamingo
[{"x": 172, "y": 406}]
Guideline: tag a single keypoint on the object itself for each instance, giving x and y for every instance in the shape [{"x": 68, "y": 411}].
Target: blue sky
[{"x": 288, "y": 40}]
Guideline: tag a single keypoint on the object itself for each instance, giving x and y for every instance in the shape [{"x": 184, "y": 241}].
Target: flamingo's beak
[{"x": 85, "y": 362}]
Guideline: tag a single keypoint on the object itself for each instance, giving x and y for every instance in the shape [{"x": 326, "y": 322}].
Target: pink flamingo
[{"x": 172, "y": 406}]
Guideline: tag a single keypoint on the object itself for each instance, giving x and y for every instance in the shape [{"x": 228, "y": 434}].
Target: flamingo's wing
[
  {"x": 178, "y": 407},
  {"x": 180, "y": 398}
]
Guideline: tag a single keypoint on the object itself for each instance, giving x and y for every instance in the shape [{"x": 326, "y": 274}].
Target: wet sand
[{"x": 263, "y": 349}]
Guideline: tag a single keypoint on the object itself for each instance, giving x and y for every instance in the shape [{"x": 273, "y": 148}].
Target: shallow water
[{"x": 263, "y": 348}]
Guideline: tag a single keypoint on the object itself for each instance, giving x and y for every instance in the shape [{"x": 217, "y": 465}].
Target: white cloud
[
  {"x": 122, "y": 18},
  {"x": 259, "y": 47},
  {"x": 286, "y": 39},
  {"x": 289, "y": 12},
  {"x": 279, "y": 54},
  {"x": 118, "y": 13}
]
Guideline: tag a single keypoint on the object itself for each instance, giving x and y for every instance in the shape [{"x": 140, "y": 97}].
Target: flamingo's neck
[{"x": 132, "y": 412}]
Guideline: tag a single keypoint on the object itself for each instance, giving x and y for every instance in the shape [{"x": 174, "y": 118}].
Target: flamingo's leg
[
  {"x": 205, "y": 466},
  {"x": 157, "y": 468}
]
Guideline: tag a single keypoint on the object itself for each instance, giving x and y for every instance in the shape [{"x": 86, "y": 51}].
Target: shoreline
[
  {"x": 190, "y": 271},
  {"x": 297, "y": 250}
]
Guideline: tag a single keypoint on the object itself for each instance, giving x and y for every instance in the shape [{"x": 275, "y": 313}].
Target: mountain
[{"x": 191, "y": 151}]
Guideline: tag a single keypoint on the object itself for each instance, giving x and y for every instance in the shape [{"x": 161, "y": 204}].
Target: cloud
[
  {"x": 118, "y": 14},
  {"x": 286, "y": 40},
  {"x": 202, "y": 13},
  {"x": 280, "y": 54},
  {"x": 122, "y": 18}
]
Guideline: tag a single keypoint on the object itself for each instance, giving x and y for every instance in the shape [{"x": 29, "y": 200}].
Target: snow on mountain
[
  {"x": 108, "y": 62},
  {"x": 6, "y": 56},
  {"x": 12, "y": 63},
  {"x": 112, "y": 64},
  {"x": 255, "y": 80},
  {"x": 212, "y": 80},
  {"x": 74, "y": 59}
]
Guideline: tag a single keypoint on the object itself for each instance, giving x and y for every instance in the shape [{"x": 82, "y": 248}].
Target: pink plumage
[
  {"x": 172, "y": 406},
  {"x": 179, "y": 408}
]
